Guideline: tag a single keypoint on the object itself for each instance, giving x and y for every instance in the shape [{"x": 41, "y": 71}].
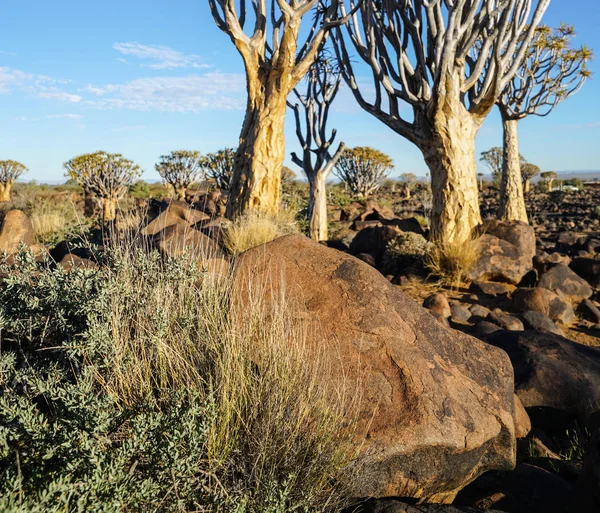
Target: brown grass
[{"x": 451, "y": 262}]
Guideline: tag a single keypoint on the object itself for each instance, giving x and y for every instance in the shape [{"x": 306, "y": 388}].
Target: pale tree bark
[
  {"x": 438, "y": 69},
  {"x": 5, "y": 190},
  {"x": 273, "y": 69},
  {"x": 317, "y": 212},
  {"x": 109, "y": 209},
  {"x": 180, "y": 193},
  {"x": 527, "y": 185},
  {"x": 512, "y": 200},
  {"x": 450, "y": 155}
]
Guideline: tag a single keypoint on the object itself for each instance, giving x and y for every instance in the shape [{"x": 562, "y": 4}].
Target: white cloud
[
  {"x": 13, "y": 78},
  {"x": 9, "y": 54},
  {"x": 65, "y": 116},
  {"x": 224, "y": 91},
  {"x": 61, "y": 96},
  {"x": 21, "y": 118},
  {"x": 164, "y": 57}
]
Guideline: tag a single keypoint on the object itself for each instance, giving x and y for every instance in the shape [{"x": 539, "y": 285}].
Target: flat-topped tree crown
[
  {"x": 218, "y": 167},
  {"x": 363, "y": 169},
  {"x": 438, "y": 68},
  {"x": 10, "y": 170},
  {"x": 276, "y": 59},
  {"x": 180, "y": 169},
  {"x": 106, "y": 175}
]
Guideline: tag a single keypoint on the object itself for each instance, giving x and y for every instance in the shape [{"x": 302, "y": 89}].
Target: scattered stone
[
  {"x": 437, "y": 405},
  {"x": 71, "y": 261},
  {"x": 508, "y": 322},
  {"x": 522, "y": 420},
  {"x": 546, "y": 302},
  {"x": 589, "y": 311},
  {"x": 480, "y": 311},
  {"x": 484, "y": 328},
  {"x": 460, "y": 314},
  {"x": 174, "y": 212},
  {"x": 438, "y": 304},
  {"x": 588, "y": 269},
  {"x": 562, "y": 278},
  {"x": 490, "y": 288},
  {"x": 539, "y": 321},
  {"x": 396, "y": 506},
  {"x": 367, "y": 259}
]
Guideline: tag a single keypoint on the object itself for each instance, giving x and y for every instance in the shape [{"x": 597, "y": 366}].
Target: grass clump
[
  {"x": 53, "y": 220},
  {"x": 256, "y": 228},
  {"x": 137, "y": 387},
  {"x": 451, "y": 262}
]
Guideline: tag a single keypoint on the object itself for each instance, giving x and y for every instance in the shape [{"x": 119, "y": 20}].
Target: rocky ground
[{"x": 487, "y": 392}]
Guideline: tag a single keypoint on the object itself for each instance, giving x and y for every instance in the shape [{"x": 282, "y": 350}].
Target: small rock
[
  {"x": 544, "y": 301},
  {"x": 460, "y": 314},
  {"x": 480, "y": 311},
  {"x": 438, "y": 303},
  {"x": 508, "y": 322},
  {"x": 539, "y": 321},
  {"x": 522, "y": 420},
  {"x": 589, "y": 311},
  {"x": 491, "y": 288},
  {"x": 562, "y": 278}
]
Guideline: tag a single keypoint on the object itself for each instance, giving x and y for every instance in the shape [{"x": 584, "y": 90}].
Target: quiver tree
[
  {"x": 107, "y": 176},
  {"x": 218, "y": 168},
  {"x": 551, "y": 72},
  {"x": 549, "y": 177},
  {"x": 311, "y": 113},
  {"x": 438, "y": 67},
  {"x": 274, "y": 65},
  {"x": 77, "y": 168},
  {"x": 493, "y": 159},
  {"x": 528, "y": 171},
  {"x": 408, "y": 180},
  {"x": 363, "y": 169},
  {"x": 179, "y": 169},
  {"x": 10, "y": 170}
]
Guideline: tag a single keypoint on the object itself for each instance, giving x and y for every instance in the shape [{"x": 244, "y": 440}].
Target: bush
[
  {"x": 404, "y": 250},
  {"x": 450, "y": 263},
  {"x": 133, "y": 388},
  {"x": 256, "y": 228}
]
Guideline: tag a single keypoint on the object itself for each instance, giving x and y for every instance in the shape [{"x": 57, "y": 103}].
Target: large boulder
[
  {"x": 436, "y": 405},
  {"x": 16, "y": 230},
  {"x": 519, "y": 234},
  {"x": 552, "y": 372},
  {"x": 545, "y": 302},
  {"x": 561, "y": 279},
  {"x": 588, "y": 269}
]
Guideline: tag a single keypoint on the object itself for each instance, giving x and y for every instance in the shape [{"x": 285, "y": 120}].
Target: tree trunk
[
  {"x": 5, "y": 189},
  {"x": 180, "y": 193},
  {"x": 449, "y": 152},
  {"x": 512, "y": 201},
  {"x": 89, "y": 203},
  {"x": 317, "y": 208},
  {"x": 527, "y": 185},
  {"x": 109, "y": 209},
  {"x": 256, "y": 182}
]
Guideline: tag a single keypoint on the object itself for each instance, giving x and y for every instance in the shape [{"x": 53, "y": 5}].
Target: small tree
[
  {"x": 409, "y": 180},
  {"x": 322, "y": 85},
  {"x": 363, "y": 169},
  {"x": 492, "y": 158},
  {"x": 107, "y": 176},
  {"x": 551, "y": 73},
  {"x": 528, "y": 171},
  {"x": 10, "y": 170},
  {"x": 180, "y": 169},
  {"x": 218, "y": 168},
  {"x": 549, "y": 177}
]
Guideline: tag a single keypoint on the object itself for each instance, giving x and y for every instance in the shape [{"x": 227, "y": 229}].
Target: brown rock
[
  {"x": 505, "y": 321},
  {"x": 522, "y": 420},
  {"x": 546, "y": 302},
  {"x": 16, "y": 230},
  {"x": 438, "y": 304},
  {"x": 499, "y": 260},
  {"x": 176, "y": 212},
  {"x": 552, "y": 372},
  {"x": 437, "y": 405},
  {"x": 519, "y": 234},
  {"x": 562, "y": 278}
]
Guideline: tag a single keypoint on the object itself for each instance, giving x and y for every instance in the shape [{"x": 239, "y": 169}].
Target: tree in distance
[
  {"x": 275, "y": 61},
  {"x": 218, "y": 168},
  {"x": 551, "y": 72},
  {"x": 528, "y": 171},
  {"x": 107, "y": 176},
  {"x": 438, "y": 70},
  {"x": 322, "y": 85},
  {"x": 180, "y": 169},
  {"x": 363, "y": 169},
  {"x": 549, "y": 177},
  {"x": 10, "y": 170},
  {"x": 409, "y": 181}
]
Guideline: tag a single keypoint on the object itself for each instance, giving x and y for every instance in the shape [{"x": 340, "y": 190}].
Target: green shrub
[
  {"x": 404, "y": 250},
  {"x": 132, "y": 388}
]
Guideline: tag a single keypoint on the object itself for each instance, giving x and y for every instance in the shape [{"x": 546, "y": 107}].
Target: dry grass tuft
[
  {"x": 451, "y": 262},
  {"x": 256, "y": 228},
  {"x": 276, "y": 426},
  {"x": 51, "y": 220}
]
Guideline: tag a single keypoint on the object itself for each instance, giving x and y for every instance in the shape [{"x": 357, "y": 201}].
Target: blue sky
[{"x": 146, "y": 77}]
